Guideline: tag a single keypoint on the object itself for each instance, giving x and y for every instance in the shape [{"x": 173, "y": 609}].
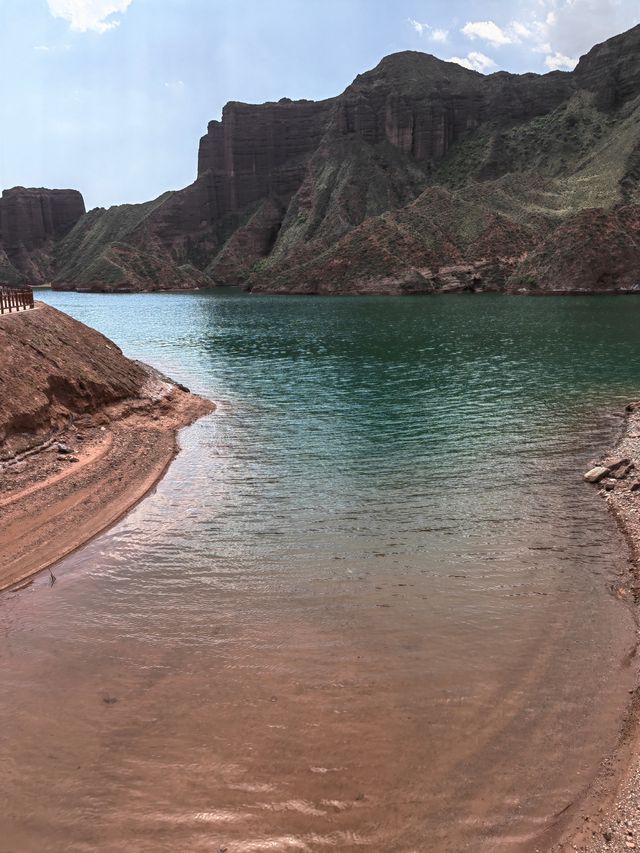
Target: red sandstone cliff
[
  {"x": 31, "y": 221},
  {"x": 283, "y": 188},
  {"x": 260, "y": 151}
]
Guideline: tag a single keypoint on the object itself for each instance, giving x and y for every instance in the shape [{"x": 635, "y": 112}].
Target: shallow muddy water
[{"x": 368, "y": 607}]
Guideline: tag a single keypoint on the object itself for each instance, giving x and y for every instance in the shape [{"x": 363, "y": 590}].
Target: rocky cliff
[
  {"x": 259, "y": 151},
  {"x": 523, "y": 177},
  {"x": 346, "y": 194},
  {"x": 31, "y": 221}
]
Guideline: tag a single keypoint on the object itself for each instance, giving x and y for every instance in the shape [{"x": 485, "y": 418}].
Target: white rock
[{"x": 596, "y": 474}]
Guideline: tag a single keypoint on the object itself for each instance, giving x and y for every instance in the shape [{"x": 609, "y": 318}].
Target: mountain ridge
[{"x": 383, "y": 189}]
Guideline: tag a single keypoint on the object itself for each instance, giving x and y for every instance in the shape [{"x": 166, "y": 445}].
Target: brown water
[{"x": 369, "y": 606}]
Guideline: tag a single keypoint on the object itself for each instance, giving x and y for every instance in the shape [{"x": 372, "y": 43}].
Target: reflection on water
[{"x": 368, "y": 607}]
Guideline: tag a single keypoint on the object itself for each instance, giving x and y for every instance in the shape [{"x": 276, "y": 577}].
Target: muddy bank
[{"x": 84, "y": 434}]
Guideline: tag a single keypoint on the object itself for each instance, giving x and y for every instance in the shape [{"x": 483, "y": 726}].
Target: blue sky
[{"x": 111, "y": 96}]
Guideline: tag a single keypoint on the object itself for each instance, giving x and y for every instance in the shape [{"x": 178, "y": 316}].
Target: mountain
[
  {"x": 31, "y": 222},
  {"x": 422, "y": 176}
]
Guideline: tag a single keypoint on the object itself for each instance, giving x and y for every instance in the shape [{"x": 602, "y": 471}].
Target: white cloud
[
  {"x": 559, "y": 29},
  {"x": 175, "y": 86},
  {"x": 51, "y": 48},
  {"x": 434, "y": 34},
  {"x": 85, "y": 15},
  {"x": 514, "y": 33},
  {"x": 487, "y": 31},
  {"x": 560, "y": 62},
  {"x": 474, "y": 61},
  {"x": 521, "y": 31},
  {"x": 572, "y": 27},
  {"x": 548, "y": 33}
]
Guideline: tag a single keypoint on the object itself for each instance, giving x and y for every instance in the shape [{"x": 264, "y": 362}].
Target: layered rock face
[
  {"x": 30, "y": 217},
  {"x": 422, "y": 105},
  {"x": 249, "y": 166},
  {"x": 119, "y": 250},
  {"x": 534, "y": 168},
  {"x": 32, "y": 220},
  {"x": 594, "y": 251},
  {"x": 292, "y": 191},
  {"x": 438, "y": 243},
  {"x": 259, "y": 151}
]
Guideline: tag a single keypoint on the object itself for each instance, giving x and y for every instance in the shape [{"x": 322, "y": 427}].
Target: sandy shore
[
  {"x": 85, "y": 477},
  {"x": 608, "y": 819}
]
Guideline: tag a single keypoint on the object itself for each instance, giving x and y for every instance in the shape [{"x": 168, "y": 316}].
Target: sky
[{"x": 111, "y": 96}]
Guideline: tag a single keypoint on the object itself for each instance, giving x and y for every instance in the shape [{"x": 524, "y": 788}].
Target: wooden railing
[{"x": 15, "y": 298}]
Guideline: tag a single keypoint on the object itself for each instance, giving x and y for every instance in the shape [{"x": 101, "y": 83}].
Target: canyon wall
[
  {"x": 281, "y": 186},
  {"x": 259, "y": 151},
  {"x": 31, "y": 220}
]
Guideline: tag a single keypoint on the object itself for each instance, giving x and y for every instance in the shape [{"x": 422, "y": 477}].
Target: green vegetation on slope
[{"x": 81, "y": 255}]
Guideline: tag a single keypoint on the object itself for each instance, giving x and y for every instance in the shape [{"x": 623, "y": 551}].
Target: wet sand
[
  {"x": 56, "y": 497},
  {"x": 85, "y": 433}
]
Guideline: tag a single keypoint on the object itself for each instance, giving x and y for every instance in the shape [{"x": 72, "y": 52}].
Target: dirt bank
[{"x": 84, "y": 434}]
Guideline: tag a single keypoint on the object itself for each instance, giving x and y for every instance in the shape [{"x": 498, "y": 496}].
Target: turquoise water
[
  {"x": 347, "y": 406},
  {"x": 369, "y": 606}
]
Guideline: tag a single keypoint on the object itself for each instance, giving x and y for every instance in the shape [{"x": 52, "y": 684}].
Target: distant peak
[{"x": 410, "y": 68}]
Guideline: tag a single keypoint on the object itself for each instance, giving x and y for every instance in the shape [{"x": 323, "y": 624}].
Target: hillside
[{"x": 420, "y": 176}]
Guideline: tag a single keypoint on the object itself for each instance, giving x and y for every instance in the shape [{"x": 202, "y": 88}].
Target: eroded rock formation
[
  {"x": 259, "y": 151},
  {"x": 419, "y": 171},
  {"x": 31, "y": 221}
]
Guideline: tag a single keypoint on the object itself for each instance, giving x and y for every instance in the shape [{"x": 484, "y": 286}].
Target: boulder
[
  {"x": 622, "y": 471},
  {"x": 596, "y": 474}
]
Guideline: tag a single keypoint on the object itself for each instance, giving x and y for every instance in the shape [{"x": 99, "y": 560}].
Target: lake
[{"x": 369, "y": 606}]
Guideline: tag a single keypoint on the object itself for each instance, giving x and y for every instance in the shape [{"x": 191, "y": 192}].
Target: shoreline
[
  {"x": 84, "y": 477},
  {"x": 57, "y": 497},
  {"x": 606, "y": 819},
  {"x": 362, "y": 292}
]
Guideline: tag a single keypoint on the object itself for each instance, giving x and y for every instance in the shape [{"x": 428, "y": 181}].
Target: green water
[
  {"x": 354, "y": 414},
  {"x": 383, "y": 538}
]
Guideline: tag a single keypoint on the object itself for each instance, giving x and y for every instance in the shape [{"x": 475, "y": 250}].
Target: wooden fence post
[{"x": 15, "y": 298}]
